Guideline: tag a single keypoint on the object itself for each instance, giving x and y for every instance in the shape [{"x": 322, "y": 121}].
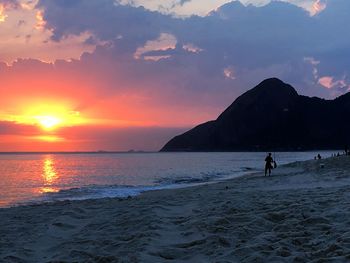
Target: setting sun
[
  {"x": 48, "y": 122},
  {"x": 47, "y": 116}
]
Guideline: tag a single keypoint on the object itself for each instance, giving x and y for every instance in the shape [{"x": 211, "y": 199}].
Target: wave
[
  {"x": 96, "y": 192},
  {"x": 125, "y": 191}
]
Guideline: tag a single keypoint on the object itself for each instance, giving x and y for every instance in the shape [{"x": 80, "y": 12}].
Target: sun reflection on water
[{"x": 49, "y": 174}]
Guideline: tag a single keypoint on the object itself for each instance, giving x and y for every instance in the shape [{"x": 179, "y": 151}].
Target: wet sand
[{"x": 300, "y": 214}]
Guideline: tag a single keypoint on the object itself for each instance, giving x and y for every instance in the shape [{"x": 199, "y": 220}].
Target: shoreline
[
  {"x": 153, "y": 178},
  {"x": 137, "y": 190},
  {"x": 169, "y": 187},
  {"x": 300, "y": 215},
  {"x": 175, "y": 187}
]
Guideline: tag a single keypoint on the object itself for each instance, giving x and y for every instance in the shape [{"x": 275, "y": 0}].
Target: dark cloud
[
  {"x": 257, "y": 42},
  {"x": 176, "y": 3},
  {"x": 13, "y": 128},
  {"x": 105, "y": 19},
  {"x": 182, "y": 2}
]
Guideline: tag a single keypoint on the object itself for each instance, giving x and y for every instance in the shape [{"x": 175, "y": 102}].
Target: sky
[{"x": 118, "y": 75}]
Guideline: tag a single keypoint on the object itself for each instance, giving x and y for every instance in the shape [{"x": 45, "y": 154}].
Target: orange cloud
[
  {"x": 2, "y": 15},
  {"x": 318, "y": 6},
  {"x": 40, "y": 22}
]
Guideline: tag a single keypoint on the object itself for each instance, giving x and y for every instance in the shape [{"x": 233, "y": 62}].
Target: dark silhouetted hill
[{"x": 272, "y": 116}]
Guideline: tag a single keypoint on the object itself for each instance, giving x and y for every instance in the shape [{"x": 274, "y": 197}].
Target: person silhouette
[{"x": 268, "y": 164}]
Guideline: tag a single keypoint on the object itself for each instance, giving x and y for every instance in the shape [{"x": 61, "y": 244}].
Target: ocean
[{"x": 36, "y": 178}]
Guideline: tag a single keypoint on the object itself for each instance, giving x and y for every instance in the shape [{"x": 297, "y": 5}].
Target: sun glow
[
  {"x": 48, "y": 117},
  {"x": 48, "y": 122},
  {"x": 48, "y": 138}
]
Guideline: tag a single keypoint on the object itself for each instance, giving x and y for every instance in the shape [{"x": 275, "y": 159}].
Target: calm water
[{"x": 37, "y": 178}]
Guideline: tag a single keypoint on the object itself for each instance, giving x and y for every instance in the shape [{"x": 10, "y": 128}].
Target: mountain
[{"x": 272, "y": 116}]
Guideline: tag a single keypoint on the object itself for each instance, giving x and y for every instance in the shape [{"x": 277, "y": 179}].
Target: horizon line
[{"x": 76, "y": 152}]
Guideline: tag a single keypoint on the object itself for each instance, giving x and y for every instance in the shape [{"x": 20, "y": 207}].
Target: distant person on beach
[
  {"x": 319, "y": 156},
  {"x": 268, "y": 164}
]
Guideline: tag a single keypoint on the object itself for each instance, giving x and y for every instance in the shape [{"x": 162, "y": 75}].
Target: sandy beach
[{"x": 300, "y": 214}]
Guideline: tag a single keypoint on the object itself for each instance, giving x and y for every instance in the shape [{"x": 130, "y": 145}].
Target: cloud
[
  {"x": 19, "y": 20},
  {"x": 181, "y": 2},
  {"x": 331, "y": 83},
  {"x": 2, "y": 15},
  {"x": 176, "y": 3},
  {"x": 10, "y": 3},
  {"x": 192, "y": 48},
  {"x": 13, "y": 128},
  {"x": 318, "y": 6},
  {"x": 285, "y": 34},
  {"x": 153, "y": 69},
  {"x": 229, "y": 73},
  {"x": 327, "y": 82},
  {"x": 163, "y": 43},
  {"x": 337, "y": 87},
  {"x": 5, "y": 5},
  {"x": 146, "y": 25},
  {"x": 203, "y": 7},
  {"x": 191, "y": 54}
]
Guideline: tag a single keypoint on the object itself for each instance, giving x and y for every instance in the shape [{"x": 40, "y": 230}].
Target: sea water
[{"x": 33, "y": 178}]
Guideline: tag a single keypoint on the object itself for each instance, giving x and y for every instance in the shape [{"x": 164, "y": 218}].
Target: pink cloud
[
  {"x": 329, "y": 82},
  {"x": 318, "y": 6},
  {"x": 326, "y": 82}
]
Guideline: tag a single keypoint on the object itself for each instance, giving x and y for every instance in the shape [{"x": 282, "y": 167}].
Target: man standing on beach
[{"x": 268, "y": 164}]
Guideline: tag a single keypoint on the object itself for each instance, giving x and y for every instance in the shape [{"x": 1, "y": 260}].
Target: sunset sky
[{"x": 87, "y": 75}]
